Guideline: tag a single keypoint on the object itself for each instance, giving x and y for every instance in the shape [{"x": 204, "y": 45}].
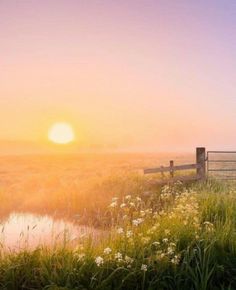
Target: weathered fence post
[
  {"x": 171, "y": 168},
  {"x": 201, "y": 162}
]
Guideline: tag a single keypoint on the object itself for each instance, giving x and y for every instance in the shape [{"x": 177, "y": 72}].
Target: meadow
[{"x": 171, "y": 237}]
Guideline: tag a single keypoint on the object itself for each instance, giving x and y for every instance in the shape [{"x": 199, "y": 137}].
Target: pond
[{"x": 24, "y": 230}]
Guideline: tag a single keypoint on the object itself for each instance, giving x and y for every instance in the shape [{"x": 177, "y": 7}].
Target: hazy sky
[{"x": 146, "y": 74}]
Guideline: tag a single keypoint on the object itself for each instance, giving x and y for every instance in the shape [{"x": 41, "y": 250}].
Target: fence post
[
  {"x": 200, "y": 160},
  {"x": 171, "y": 168}
]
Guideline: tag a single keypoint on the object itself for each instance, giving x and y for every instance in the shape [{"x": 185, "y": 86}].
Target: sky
[{"x": 146, "y": 75}]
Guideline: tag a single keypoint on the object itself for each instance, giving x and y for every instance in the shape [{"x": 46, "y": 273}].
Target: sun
[{"x": 61, "y": 133}]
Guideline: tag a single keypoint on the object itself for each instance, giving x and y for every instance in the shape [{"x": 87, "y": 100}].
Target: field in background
[
  {"x": 163, "y": 238},
  {"x": 68, "y": 185},
  {"x": 174, "y": 237}
]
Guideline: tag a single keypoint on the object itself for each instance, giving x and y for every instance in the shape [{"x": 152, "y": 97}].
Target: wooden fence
[{"x": 199, "y": 167}]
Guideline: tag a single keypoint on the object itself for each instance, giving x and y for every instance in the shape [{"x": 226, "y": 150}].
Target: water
[{"x": 23, "y": 230}]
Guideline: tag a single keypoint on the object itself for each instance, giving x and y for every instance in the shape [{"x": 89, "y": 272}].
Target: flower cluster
[{"x": 151, "y": 232}]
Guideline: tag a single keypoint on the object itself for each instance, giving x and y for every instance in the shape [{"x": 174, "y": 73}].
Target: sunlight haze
[{"x": 144, "y": 75}]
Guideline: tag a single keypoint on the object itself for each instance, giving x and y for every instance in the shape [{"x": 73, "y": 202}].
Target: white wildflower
[
  {"x": 129, "y": 234},
  {"x": 120, "y": 231},
  {"x": 107, "y": 251},
  {"x": 113, "y": 204},
  {"x": 99, "y": 261},
  {"x": 118, "y": 257},
  {"x": 175, "y": 260},
  {"x": 128, "y": 260},
  {"x": 137, "y": 221},
  {"x": 156, "y": 244},
  {"x": 144, "y": 267}
]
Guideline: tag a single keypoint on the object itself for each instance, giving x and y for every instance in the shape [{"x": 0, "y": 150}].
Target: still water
[{"x": 21, "y": 230}]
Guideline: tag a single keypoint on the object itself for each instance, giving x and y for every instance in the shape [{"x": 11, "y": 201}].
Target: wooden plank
[
  {"x": 221, "y": 152},
  {"x": 223, "y": 169},
  {"x": 221, "y": 161},
  {"x": 157, "y": 170},
  {"x": 186, "y": 167},
  {"x": 169, "y": 168}
]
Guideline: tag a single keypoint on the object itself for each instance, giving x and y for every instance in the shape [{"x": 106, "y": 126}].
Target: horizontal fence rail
[
  {"x": 221, "y": 165},
  {"x": 218, "y": 164},
  {"x": 163, "y": 169},
  {"x": 199, "y": 167}
]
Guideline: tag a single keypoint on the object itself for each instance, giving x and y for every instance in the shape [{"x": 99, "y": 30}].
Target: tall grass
[{"x": 170, "y": 238}]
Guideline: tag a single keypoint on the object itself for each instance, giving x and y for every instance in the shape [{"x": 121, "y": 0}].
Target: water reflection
[{"x": 22, "y": 230}]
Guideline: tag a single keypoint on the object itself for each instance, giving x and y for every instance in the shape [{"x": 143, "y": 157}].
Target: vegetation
[{"x": 171, "y": 238}]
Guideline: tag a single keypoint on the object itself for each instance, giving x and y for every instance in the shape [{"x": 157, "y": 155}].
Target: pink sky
[{"x": 139, "y": 74}]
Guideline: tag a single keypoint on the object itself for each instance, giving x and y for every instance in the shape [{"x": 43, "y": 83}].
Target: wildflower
[
  {"x": 113, "y": 204},
  {"x": 118, "y": 257},
  {"x": 128, "y": 260},
  {"x": 99, "y": 261},
  {"x": 138, "y": 199},
  {"x": 107, "y": 251},
  {"x": 114, "y": 199},
  {"x": 156, "y": 244},
  {"x": 120, "y": 231},
  {"x": 144, "y": 267},
  {"x": 137, "y": 221},
  {"x": 170, "y": 251},
  {"x": 175, "y": 260},
  {"x": 132, "y": 204},
  {"x": 128, "y": 197},
  {"x": 209, "y": 226},
  {"x": 162, "y": 255},
  {"x": 165, "y": 240},
  {"x": 122, "y": 205},
  {"x": 129, "y": 234}
]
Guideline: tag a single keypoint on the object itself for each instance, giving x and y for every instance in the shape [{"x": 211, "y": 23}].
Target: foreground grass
[{"x": 174, "y": 238}]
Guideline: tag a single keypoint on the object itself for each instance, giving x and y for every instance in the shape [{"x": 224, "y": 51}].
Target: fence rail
[
  {"x": 163, "y": 169},
  {"x": 221, "y": 164},
  {"x": 222, "y": 167},
  {"x": 199, "y": 166}
]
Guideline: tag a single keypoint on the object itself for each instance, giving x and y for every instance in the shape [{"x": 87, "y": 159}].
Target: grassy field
[
  {"x": 174, "y": 237},
  {"x": 68, "y": 185}
]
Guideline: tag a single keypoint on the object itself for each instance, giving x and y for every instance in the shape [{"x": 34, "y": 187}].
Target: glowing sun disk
[{"x": 61, "y": 133}]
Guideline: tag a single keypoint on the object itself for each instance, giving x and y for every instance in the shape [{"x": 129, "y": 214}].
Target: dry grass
[{"x": 66, "y": 185}]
